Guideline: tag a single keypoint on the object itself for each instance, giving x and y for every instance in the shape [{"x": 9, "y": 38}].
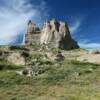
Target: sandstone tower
[
  {"x": 56, "y": 34},
  {"x": 33, "y": 33}
]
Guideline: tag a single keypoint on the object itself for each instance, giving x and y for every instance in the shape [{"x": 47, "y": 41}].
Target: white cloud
[
  {"x": 14, "y": 15},
  {"x": 89, "y": 45},
  {"x": 74, "y": 28}
]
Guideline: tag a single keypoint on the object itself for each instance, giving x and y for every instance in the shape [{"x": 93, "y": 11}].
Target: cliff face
[
  {"x": 31, "y": 27},
  {"x": 56, "y": 34},
  {"x": 33, "y": 33}
]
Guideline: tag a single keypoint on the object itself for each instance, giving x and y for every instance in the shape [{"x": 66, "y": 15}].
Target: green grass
[
  {"x": 70, "y": 80},
  {"x": 18, "y": 48},
  {"x": 6, "y": 66}
]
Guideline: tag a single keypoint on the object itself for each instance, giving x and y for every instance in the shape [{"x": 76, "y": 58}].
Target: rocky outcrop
[
  {"x": 32, "y": 28},
  {"x": 56, "y": 34},
  {"x": 33, "y": 33},
  {"x": 16, "y": 58}
]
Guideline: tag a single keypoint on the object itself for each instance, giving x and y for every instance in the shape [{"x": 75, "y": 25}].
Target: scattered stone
[
  {"x": 36, "y": 62},
  {"x": 59, "y": 57},
  {"x": 33, "y": 71}
]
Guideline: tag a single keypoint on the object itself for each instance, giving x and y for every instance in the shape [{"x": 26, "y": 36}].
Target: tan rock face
[
  {"x": 56, "y": 35},
  {"x": 31, "y": 27},
  {"x": 16, "y": 58},
  {"x": 33, "y": 33}
]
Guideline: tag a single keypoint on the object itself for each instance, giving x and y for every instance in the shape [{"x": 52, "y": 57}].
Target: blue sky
[{"x": 82, "y": 16}]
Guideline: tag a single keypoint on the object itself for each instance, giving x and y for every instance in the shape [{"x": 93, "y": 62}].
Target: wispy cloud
[
  {"x": 87, "y": 44},
  {"x": 75, "y": 26},
  {"x": 14, "y": 15}
]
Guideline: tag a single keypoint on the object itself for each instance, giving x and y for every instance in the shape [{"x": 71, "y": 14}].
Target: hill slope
[{"x": 53, "y": 79}]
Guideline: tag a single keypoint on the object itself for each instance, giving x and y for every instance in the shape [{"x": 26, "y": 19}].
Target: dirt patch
[{"x": 92, "y": 58}]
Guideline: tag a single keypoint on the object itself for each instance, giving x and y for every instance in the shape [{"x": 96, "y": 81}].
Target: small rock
[{"x": 59, "y": 57}]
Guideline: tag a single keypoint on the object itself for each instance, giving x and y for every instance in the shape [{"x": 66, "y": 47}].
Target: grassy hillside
[{"x": 67, "y": 80}]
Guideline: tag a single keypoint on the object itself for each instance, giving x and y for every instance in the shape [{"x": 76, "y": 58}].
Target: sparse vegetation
[
  {"x": 35, "y": 46},
  {"x": 56, "y": 50},
  {"x": 6, "y": 66},
  {"x": 66, "y": 79},
  {"x": 18, "y": 48},
  {"x": 71, "y": 80}
]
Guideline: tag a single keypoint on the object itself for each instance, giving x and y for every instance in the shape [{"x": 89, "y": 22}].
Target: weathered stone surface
[
  {"x": 33, "y": 33},
  {"x": 59, "y": 57},
  {"x": 31, "y": 27},
  {"x": 16, "y": 59},
  {"x": 4, "y": 48},
  {"x": 56, "y": 34}
]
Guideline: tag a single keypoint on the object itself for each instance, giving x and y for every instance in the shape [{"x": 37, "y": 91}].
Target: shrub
[
  {"x": 96, "y": 52},
  {"x": 25, "y": 54},
  {"x": 25, "y": 72},
  {"x": 18, "y": 48}
]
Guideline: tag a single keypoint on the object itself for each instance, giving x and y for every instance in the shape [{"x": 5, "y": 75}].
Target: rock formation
[
  {"x": 16, "y": 58},
  {"x": 56, "y": 34},
  {"x": 32, "y": 34}
]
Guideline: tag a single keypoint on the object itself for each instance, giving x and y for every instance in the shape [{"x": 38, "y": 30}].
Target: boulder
[
  {"x": 56, "y": 34},
  {"x": 59, "y": 57},
  {"x": 16, "y": 58}
]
